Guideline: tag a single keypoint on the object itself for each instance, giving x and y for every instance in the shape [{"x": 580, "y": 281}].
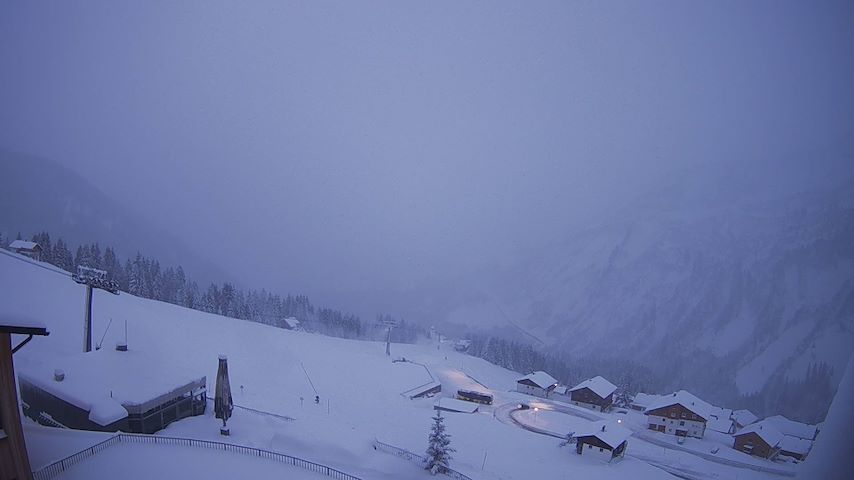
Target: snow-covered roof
[
  {"x": 23, "y": 245},
  {"x": 613, "y": 434},
  {"x": 129, "y": 379},
  {"x": 720, "y": 413},
  {"x": 455, "y": 405},
  {"x": 766, "y": 432},
  {"x": 795, "y": 445},
  {"x": 597, "y": 385},
  {"x": 423, "y": 389},
  {"x": 540, "y": 379},
  {"x": 21, "y": 324},
  {"x": 686, "y": 399},
  {"x": 106, "y": 410},
  {"x": 723, "y": 425},
  {"x": 744, "y": 417},
  {"x": 561, "y": 389},
  {"x": 792, "y": 428},
  {"x": 644, "y": 399}
]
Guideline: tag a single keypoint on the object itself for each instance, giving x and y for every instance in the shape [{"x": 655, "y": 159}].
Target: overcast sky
[{"x": 333, "y": 147}]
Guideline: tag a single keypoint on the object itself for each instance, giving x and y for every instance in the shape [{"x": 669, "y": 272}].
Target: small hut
[{"x": 604, "y": 435}]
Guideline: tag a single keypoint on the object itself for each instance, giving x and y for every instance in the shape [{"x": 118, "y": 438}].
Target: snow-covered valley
[{"x": 279, "y": 372}]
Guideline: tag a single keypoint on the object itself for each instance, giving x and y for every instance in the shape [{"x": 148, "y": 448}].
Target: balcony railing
[{"x": 58, "y": 467}]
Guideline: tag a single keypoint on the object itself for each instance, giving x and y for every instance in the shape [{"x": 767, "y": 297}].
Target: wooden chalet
[
  {"x": 14, "y": 461},
  {"x": 605, "y": 436},
  {"x": 760, "y": 439},
  {"x": 26, "y": 248},
  {"x": 596, "y": 393},
  {"x": 539, "y": 384},
  {"x": 681, "y": 414}
]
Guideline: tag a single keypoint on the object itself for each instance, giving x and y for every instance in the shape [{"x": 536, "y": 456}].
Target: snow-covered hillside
[
  {"x": 359, "y": 387},
  {"x": 760, "y": 288}
]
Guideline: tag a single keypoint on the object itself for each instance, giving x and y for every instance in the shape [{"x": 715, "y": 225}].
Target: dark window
[{"x": 682, "y": 423}]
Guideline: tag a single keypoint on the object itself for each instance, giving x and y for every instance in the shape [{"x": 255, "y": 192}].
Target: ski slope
[{"x": 277, "y": 371}]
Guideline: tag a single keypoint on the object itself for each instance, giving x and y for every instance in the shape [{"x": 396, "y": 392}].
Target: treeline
[
  {"x": 146, "y": 277},
  {"x": 805, "y": 400},
  {"x": 523, "y": 358}
]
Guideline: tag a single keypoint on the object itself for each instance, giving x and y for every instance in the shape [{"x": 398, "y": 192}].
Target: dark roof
[{"x": 23, "y": 326}]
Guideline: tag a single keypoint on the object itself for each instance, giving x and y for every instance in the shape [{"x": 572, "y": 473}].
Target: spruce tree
[
  {"x": 438, "y": 448},
  {"x": 62, "y": 256}
]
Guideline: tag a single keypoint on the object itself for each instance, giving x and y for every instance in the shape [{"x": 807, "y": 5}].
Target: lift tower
[{"x": 92, "y": 278}]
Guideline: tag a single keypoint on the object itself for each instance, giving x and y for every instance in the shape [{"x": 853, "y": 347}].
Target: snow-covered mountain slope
[
  {"x": 724, "y": 297},
  {"x": 359, "y": 387},
  {"x": 37, "y": 194}
]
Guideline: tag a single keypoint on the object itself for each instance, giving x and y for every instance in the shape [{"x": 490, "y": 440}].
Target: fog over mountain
[
  {"x": 730, "y": 298},
  {"x": 37, "y": 194},
  {"x": 671, "y": 179}
]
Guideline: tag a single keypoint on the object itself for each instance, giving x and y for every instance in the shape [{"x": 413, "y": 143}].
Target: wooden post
[
  {"x": 14, "y": 460},
  {"x": 87, "y": 325}
]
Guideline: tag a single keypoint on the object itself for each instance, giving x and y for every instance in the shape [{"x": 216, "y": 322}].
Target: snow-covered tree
[
  {"x": 439, "y": 446},
  {"x": 62, "y": 257},
  {"x": 43, "y": 239}
]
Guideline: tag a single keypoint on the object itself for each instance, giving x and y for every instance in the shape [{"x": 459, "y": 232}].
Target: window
[
  {"x": 672, "y": 414},
  {"x": 684, "y": 415},
  {"x": 682, "y": 423}
]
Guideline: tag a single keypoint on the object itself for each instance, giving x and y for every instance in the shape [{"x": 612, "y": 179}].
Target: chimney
[{"x": 58, "y": 375}]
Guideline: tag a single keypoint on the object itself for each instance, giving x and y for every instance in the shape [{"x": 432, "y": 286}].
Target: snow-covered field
[
  {"x": 273, "y": 370},
  {"x": 144, "y": 462}
]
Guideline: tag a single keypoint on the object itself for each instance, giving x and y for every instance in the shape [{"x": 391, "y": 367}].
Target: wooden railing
[{"x": 56, "y": 468}]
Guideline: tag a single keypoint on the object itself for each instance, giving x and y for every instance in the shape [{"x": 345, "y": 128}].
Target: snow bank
[{"x": 106, "y": 411}]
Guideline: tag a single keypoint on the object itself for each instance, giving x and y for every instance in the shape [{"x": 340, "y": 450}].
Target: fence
[
  {"x": 414, "y": 457},
  {"x": 260, "y": 412},
  {"x": 60, "y": 466}
]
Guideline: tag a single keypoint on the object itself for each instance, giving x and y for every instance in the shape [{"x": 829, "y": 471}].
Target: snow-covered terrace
[{"x": 109, "y": 384}]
